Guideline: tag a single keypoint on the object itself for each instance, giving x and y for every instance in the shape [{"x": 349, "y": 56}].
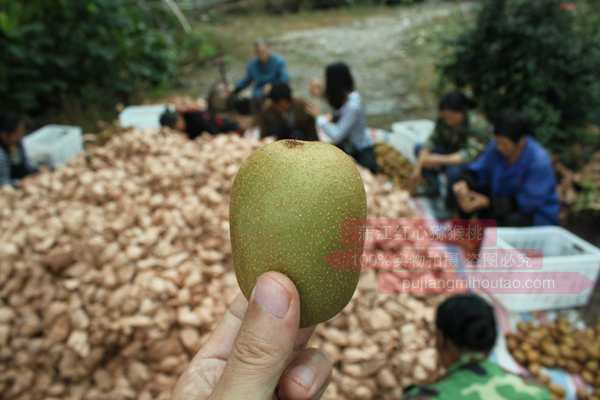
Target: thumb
[{"x": 265, "y": 343}]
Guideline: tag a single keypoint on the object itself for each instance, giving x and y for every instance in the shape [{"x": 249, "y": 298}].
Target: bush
[
  {"x": 531, "y": 55},
  {"x": 89, "y": 50}
]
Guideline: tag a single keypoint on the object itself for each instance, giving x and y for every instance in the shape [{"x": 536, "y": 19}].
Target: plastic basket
[
  {"x": 142, "y": 117},
  {"x": 406, "y": 135},
  {"x": 546, "y": 250},
  {"x": 53, "y": 145}
]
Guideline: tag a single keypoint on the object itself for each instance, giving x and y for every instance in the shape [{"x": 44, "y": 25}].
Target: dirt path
[{"x": 374, "y": 48}]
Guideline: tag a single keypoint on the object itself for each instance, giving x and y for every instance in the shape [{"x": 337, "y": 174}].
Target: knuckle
[
  {"x": 198, "y": 381},
  {"x": 254, "y": 350}
]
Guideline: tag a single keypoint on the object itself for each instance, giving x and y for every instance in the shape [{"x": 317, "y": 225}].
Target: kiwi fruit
[{"x": 299, "y": 208}]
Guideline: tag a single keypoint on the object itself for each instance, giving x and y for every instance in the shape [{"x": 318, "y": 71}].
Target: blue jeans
[{"x": 453, "y": 174}]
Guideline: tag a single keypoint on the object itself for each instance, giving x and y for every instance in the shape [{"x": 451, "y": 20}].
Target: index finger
[
  {"x": 221, "y": 340},
  {"x": 220, "y": 343}
]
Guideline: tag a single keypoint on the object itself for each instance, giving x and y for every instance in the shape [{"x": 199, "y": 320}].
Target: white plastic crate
[
  {"x": 406, "y": 135},
  {"x": 53, "y": 145},
  {"x": 142, "y": 117},
  {"x": 555, "y": 250}
]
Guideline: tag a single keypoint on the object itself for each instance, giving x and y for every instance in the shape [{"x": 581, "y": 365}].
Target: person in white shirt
[{"x": 347, "y": 126}]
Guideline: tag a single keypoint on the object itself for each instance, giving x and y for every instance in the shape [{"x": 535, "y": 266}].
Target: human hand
[
  {"x": 315, "y": 88},
  {"x": 266, "y": 89},
  {"x": 417, "y": 176},
  {"x": 475, "y": 201},
  {"x": 257, "y": 351},
  {"x": 313, "y": 109},
  {"x": 461, "y": 189},
  {"x": 468, "y": 200},
  {"x": 463, "y": 196}
]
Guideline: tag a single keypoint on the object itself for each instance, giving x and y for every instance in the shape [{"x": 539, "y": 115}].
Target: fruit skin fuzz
[{"x": 292, "y": 203}]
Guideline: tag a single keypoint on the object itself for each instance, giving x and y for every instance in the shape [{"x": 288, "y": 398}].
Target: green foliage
[
  {"x": 588, "y": 196},
  {"x": 536, "y": 56},
  {"x": 91, "y": 50},
  {"x": 197, "y": 46}
]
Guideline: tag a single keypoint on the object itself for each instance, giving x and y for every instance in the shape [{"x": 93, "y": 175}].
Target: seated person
[
  {"x": 466, "y": 334},
  {"x": 346, "y": 127},
  {"x": 285, "y": 117},
  {"x": 194, "y": 122},
  {"x": 458, "y": 138},
  {"x": 14, "y": 163},
  {"x": 512, "y": 181},
  {"x": 264, "y": 71}
]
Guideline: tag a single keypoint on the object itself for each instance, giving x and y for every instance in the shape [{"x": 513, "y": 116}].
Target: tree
[
  {"x": 91, "y": 50},
  {"x": 534, "y": 56}
]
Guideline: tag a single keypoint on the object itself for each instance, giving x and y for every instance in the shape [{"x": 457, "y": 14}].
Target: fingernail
[
  {"x": 302, "y": 375},
  {"x": 272, "y": 297}
]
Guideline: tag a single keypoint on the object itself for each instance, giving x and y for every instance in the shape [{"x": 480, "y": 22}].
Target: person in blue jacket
[
  {"x": 265, "y": 70},
  {"x": 513, "y": 180}
]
